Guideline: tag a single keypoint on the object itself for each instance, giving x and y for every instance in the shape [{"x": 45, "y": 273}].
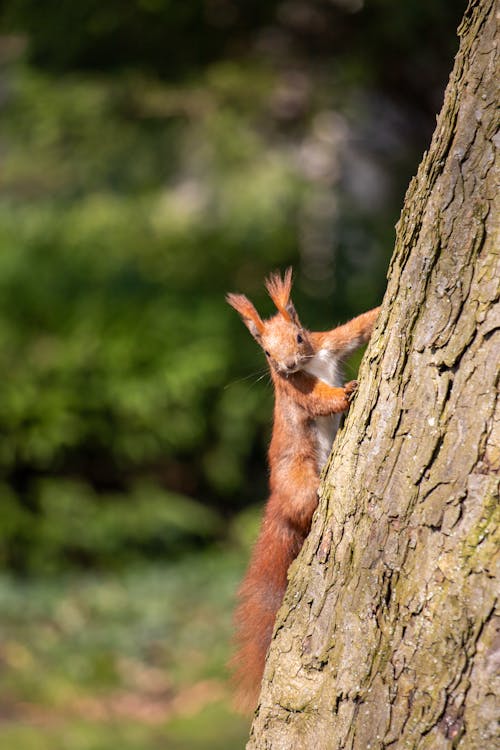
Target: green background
[{"x": 155, "y": 154}]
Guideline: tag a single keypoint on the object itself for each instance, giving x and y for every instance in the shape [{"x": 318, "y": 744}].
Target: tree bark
[{"x": 388, "y": 636}]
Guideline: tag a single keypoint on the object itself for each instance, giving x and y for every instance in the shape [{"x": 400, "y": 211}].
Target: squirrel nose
[{"x": 290, "y": 364}]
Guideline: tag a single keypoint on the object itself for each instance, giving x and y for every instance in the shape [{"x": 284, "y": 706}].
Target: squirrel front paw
[{"x": 350, "y": 389}]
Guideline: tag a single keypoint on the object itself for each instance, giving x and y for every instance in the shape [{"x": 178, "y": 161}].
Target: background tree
[{"x": 388, "y": 635}]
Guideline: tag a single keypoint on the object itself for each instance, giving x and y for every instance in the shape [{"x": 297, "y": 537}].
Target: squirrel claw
[{"x": 350, "y": 389}]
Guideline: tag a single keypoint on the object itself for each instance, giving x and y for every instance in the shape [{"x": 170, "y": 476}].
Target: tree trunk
[{"x": 387, "y": 636}]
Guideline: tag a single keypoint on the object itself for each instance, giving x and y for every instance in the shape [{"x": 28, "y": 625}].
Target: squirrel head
[{"x": 285, "y": 342}]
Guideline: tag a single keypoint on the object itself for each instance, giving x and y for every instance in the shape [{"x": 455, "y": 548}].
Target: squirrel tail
[{"x": 260, "y": 596}]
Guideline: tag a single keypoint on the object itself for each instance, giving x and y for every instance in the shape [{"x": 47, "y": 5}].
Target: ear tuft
[
  {"x": 279, "y": 290},
  {"x": 249, "y": 314}
]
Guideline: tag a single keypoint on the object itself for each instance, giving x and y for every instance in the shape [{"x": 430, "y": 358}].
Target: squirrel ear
[
  {"x": 279, "y": 290},
  {"x": 249, "y": 314}
]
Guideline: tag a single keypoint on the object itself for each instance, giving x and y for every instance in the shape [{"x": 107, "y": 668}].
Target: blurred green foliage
[
  {"x": 154, "y": 155},
  {"x": 116, "y": 341}
]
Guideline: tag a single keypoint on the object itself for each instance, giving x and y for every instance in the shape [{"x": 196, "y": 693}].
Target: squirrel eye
[
  {"x": 266, "y": 353},
  {"x": 299, "y": 338}
]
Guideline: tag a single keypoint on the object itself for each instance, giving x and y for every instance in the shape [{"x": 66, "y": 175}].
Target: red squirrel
[{"x": 309, "y": 400}]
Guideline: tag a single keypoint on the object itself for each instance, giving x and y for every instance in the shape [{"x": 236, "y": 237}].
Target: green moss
[{"x": 488, "y": 523}]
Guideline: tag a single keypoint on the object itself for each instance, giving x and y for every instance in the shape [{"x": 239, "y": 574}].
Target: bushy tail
[{"x": 260, "y": 597}]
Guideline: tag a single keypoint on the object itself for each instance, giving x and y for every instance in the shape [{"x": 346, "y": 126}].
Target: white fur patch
[{"x": 326, "y": 367}]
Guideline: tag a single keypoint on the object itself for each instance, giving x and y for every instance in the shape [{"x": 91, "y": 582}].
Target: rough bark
[{"x": 388, "y": 635}]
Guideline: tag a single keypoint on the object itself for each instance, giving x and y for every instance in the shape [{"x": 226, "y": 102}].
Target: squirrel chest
[{"x": 326, "y": 367}]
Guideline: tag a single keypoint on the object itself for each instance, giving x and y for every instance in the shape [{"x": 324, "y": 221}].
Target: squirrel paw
[{"x": 350, "y": 389}]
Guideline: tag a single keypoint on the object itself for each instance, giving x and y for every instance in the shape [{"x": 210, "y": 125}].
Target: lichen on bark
[{"x": 388, "y": 636}]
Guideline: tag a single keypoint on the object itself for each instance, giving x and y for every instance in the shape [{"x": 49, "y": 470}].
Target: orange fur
[
  {"x": 249, "y": 314},
  {"x": 279, "y": 290},
  {"x": 300, "y": 398}
]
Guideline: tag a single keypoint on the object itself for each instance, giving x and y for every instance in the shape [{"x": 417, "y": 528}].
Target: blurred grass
[
  {"x": 212, "y": 728},
  {"x": 133, "y": 660}
]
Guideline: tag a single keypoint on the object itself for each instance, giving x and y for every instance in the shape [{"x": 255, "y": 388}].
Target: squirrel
[{"x": 306, "y": 373}]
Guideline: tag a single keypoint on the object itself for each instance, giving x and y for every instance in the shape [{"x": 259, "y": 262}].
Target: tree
[{"x": 386, "y": 637}]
